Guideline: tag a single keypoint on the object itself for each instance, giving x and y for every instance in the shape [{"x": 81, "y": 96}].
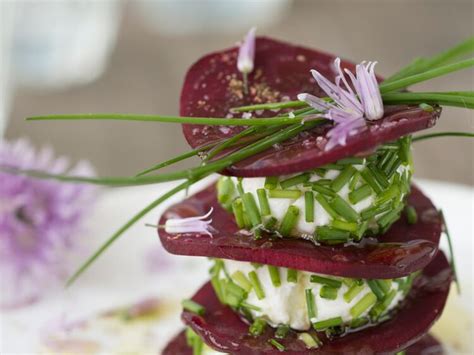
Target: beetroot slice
[
  {"x": 426, "y": 345},
  {"x": 213, "y": 85},
  {"x": 402, "y": 250},
  {"x": 225, "y": 331}
]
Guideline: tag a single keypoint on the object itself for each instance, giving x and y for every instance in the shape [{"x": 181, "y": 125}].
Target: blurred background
[{"x": 131, "y": 56}]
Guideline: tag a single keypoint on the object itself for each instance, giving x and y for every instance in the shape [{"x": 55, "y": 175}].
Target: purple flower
[
  {"x": 247, "y": 53},
  {"x": 38, "y": 221},
  {"x": 197, "y": 224},
  {"x": 351, "y": 105}
]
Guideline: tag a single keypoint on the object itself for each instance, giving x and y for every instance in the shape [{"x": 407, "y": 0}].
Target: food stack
[{"x": 312, "y": 249}]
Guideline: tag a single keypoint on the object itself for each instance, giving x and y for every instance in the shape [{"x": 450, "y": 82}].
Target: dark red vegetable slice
[
  {"x": 427, "y": 345},
  {"x": 402, "y": 250},
  {"x": 213, "y": 85},
  {"x": 225, "y": 331}
]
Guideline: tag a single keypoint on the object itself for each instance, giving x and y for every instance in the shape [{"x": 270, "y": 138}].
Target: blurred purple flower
[
  {"x": 39, "y": 221},
  {"x": 247, "y": 52},
  {"x": 350, "y": 107}
]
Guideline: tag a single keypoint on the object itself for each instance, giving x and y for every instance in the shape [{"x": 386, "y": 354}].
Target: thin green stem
[
  {"x": 451, "y": 252},
  {"x": 426, "y": 75},
  {"x": 125, "y": 227},
  {"x": 422, "y": 64},
  {"x": 270, "y": 106},
  {"x": 192, "y": 174},
  {"x": 442, "y": 134},
  {"x": 445, "y": 99},
  {"x": 280, "y": 120}
]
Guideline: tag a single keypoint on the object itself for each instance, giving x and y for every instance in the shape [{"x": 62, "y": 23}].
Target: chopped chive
[
  {"x": 380, "y": 307},
  {"x": 389, "y": 194},
  {"x": 256, "y": 265},
  {"x": 292, "y": 194},
  {"x": 345, "y": 226},
  {"x": 324, "y": 324},
  {"x": 238, "y": 210},
  {"x": 309, "y": 206},
  {"x": 367, "y": 176},
  {"x": 325, "y": 205},
  {"x": 384, "y": 284},
  {"x": 295, "y": 180},
  {"x": 251, "y": 208},
  {"x": 193, "y": 307},
  {"x": 351, "y": 161},
  {"x": 291, "y": 275},
  {"x": 325, "y": 233},
  {"x": 247, "y": 223},
  {"x": 359, "y": 322},
  {"x": 257, "y": 327},
  {"x": 385, "y": 158},
  {"x": 364, "y": 303},
  {"x": 271, "y": 182},
  {"x": 343, "y": 178},
  {"x": 390, "y": 217},
  {"x": 328, "y": 292},
  {"x": 361, "y": 230},
  {"x": 412, "y": 216},
  {"x": 355, "y": 179},
  {"x": 323, "y": 182},
  {"x": 289, "y": 220},
  {"x": 325, "y": 190},
  {"x": 360, "y": 194},
  {"x": 277, "y": 345},
  {"x": 309, "y": 340},
  {"x": 325, "y": 281},
  {"x": 240, "y": 188},
  {"x": 263, "y": 202},
  {"x": 373, "y": 211},
  {"x": 310, "y": 304},
  {"x": 270, "y": 223},
  {"x": 404, "y": 149},
  {"x": 218, "y": 289},
  {"x": 387, "y": 165},
  {"x": 344, "y": 209},
  {"x": 320, "y": 172},
  {"x": 274, "y": 275},
  {"x": 282, "y": 331},
  {"x": 198, "y": 344},
  {"x": 241, "y": 280},
  {"x": 393, "y": 168},
  {"x": 379, "y": 176},
  {"x": 333, "y": 167},
  {"x": 256, "y": 285},
  {"x": 352, "y": 292},
  {"x": 348, "y": 282},
  {"x": 376, "y": 289},
  {"x": 225, "y": 188},
  {"x": 250, "y": 306}
]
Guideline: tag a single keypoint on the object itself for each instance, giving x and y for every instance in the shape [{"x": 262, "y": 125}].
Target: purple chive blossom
[
  {"x": 39, "y": 222},
  {"x": 350, "y": 107},
  {"x": 246, "y": 56},
  {"x": 197, "y": 224}
]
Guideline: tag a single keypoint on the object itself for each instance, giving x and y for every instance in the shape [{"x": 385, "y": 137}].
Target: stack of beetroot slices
[{"x": 313, "y": 250}]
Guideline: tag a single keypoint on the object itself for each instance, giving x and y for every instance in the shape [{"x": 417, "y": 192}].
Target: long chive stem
[
  {"x": 212, "y": 121},
  {"x": 442, "y": 134},
  {"x": 125, "y": 227},
  {"x": 430, "y": 98},
  {"x": 269, "y": 106},
  {"x": 194, "y": 173},
  {"x": 451, "y": 252},
  {"x": 426, "y": 75}
]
